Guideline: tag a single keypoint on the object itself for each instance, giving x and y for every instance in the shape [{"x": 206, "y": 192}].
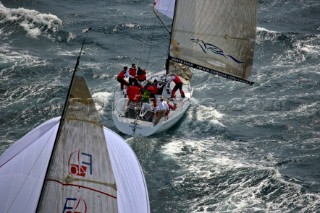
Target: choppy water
[{"x": 238, "y": 149}]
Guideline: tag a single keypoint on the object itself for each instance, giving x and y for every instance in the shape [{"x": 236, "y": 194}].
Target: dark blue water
[{"x": 238, "y": 149}]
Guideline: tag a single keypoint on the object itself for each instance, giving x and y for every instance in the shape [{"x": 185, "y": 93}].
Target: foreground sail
[
  {"x": 72, "y": 165},
  {"x": 23, "y": 167},
  {"x": 80, "y": 168}
]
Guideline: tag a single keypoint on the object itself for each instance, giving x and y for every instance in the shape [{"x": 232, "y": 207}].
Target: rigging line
[
  {"x": 163, "y": 30},
  {"x": 160, "y": 20},
  {"x": 62, "y": 119}
]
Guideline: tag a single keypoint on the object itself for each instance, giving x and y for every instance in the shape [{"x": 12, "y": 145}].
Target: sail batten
[{"x": 215, "y": 36}]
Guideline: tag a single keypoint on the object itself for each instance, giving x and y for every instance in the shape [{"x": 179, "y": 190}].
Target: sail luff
[{"x": 217, "y": 36}]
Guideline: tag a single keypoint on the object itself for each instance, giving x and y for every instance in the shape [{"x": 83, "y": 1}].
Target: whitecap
[
  {"x": 101, "y": 100},
  {"x": 32, "y": 21}
]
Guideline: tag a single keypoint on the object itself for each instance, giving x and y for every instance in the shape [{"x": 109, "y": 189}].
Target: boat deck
[{"x": 135, "y": 120}]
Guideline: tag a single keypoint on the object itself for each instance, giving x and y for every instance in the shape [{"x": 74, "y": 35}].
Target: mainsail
[{"x": 214, "y": 36}]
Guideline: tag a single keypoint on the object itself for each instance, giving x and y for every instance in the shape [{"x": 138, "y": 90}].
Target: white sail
[
  {"x": 165, "y": 7},
  {"x": 23, "y": 167},
  {"x": 215, "y": 36},
  {"x": 72, "y": 168}
]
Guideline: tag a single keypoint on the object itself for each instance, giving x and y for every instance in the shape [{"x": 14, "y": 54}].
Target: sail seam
[{"x": 84, "y": 187}]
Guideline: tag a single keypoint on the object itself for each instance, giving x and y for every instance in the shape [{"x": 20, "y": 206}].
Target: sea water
[{"x": 239, "y": 148}]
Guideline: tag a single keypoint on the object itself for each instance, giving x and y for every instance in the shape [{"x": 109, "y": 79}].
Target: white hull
[{"x": 138, "y": 127}]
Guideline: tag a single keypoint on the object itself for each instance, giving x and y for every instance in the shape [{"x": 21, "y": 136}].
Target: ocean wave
[
  {"x": 101, "y": 100},
  {"x": 31, "y": 21},
  {"x": 9, "y": 58},
  {"x": 225, "y": 179},
  {"x": 297, "y": 47}
]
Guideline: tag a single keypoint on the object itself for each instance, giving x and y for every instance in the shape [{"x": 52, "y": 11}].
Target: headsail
[
  {"x": 215, "y": 36},
  {"x": 165, "y": 7}
]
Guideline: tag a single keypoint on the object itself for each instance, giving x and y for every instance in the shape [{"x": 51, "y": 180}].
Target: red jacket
[
  {"x": 177, "y": 79},
  {"x": 121, "y": 74},
  {"x": 133, "y": 72},
  {"x": 134, "y": 93},
  {"x": 142, "y": 76},
  {"x": 150, "y": 88}
]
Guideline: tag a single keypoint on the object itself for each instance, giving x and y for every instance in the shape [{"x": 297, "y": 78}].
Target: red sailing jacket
[
  {"x": 133, "y": 72},
  {"x": 121, "y": 75},
  {"x": 134, "y": 93},
  {"x": 177, "y": 79},
  {"x": 141, "y": 76},
  {"x": 150, "y": 88}
]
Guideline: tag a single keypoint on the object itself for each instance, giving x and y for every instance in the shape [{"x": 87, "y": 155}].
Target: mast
[{"x": 168, "y": 59}]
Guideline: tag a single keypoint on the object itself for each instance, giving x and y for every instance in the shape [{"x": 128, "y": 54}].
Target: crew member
[
  {"x": 121, "y": 77},
  {"x": 150, "y": 88},
  {"x": 132, "y": 74},
  {"x": 141, "y": 74},
  {"x": 161, "y": 110},
  {"x": 134, "y": 94},
  {"x": 176, "y": 79}
]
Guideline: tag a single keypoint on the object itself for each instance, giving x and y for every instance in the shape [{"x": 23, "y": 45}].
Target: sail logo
[
  {"x": 206, "y": 47},
  {"x": 74, "y": 205},
  {"x": 80, "y": 164}
]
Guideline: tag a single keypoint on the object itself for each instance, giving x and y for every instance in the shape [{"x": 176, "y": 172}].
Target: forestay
[{"x": 215, "y": 36}]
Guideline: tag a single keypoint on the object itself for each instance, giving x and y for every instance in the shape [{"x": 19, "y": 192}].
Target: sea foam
[{"x": 31, "y": 21}]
